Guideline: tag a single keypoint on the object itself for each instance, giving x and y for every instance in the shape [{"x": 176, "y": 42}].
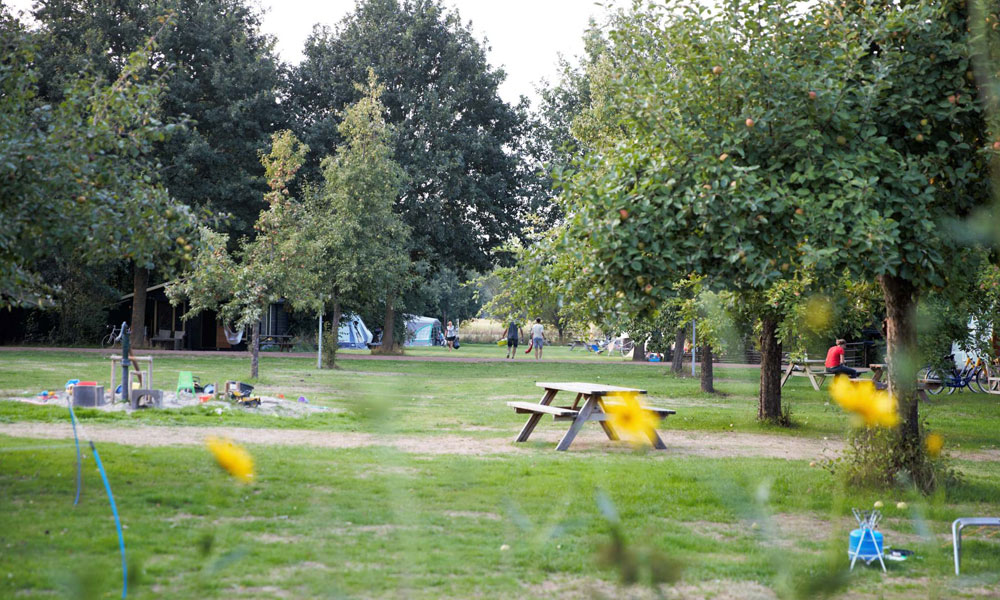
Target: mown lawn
[{"x": 377, "y": 522}]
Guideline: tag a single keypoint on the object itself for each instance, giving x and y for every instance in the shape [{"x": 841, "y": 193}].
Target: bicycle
[
  {"x": 113, "y": 338},
  {"x": 971, "y": 373}
]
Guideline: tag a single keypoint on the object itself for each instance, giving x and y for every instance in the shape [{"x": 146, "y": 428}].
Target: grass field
[{"x": 411, "y": 487}]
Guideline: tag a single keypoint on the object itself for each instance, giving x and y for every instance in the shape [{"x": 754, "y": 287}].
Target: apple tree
[{"x": 758, "y": 140}]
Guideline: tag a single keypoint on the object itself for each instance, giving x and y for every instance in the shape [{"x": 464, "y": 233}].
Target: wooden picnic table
[
  {"x": 878, "y": 371},
  {"x": 592, "y": 409},
  {"x": 283, "y": 342},
  {"x": 814, "y": 369}
]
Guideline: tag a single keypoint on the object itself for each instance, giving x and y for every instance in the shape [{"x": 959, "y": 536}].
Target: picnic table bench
[
  {"x": 283, "y": 342},
  {"x": 814, "y": 369},
  {"x": 171, "y": 340},
  {"x": 592, "y": 409}
]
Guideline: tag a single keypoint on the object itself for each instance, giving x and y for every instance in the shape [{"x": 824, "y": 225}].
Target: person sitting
[{"x": 835, "y": 361}]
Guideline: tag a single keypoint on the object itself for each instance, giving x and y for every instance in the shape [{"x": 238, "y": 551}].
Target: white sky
[{"x": 524, "y": 37}]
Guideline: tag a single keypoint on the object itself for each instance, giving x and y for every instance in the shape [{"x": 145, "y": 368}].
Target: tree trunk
[
  {"x": 707, "y": 383},
  {"x": 639, "y": 351},
  {"x": 333, "y": 341},
  {"x": 389, "y": 328},
  {"x": 255, "y": 351},
  {"x": 678, "y": 361},
  {"x": 139, "y": 284},
  {"x": 769, "y": 401},
  {"x": 901, "y": 354}
]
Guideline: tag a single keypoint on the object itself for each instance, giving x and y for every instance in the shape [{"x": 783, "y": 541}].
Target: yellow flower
[
  {"x": 234, "y": 459},
  {"x": 871, "y": 407},
  {"x": 629, "y": 419},
  {"x": 934, "y": 443}
]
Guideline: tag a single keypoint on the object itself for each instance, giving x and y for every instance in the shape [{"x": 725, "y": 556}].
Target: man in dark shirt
[{"x": 512, "y": 340}]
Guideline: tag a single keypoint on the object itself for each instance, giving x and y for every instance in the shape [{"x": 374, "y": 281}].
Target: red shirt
[{"x": 834, "y": 357}]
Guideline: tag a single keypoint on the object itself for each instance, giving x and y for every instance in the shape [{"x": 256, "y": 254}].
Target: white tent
[
  {"x": 353, "y": 333},
  {"x": 422, "y": 331}
]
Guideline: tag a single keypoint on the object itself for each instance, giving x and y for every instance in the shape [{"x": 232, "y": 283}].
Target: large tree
[
  {"x": 222, "y": 82},
  {"x": 457, "y": 139},
  {"x": 359, "y": 242},
  {"x": 759, "y": 139},
  {"x": 78, "y": 177}
]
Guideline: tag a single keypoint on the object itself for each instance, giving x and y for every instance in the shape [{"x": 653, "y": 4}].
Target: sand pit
[{"x": 172, "y": 401}]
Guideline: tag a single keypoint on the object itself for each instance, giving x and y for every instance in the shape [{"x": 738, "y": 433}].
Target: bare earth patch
[{"x": 687, "y": 443}]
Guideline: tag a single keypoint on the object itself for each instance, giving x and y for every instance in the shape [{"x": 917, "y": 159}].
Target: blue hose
[
  {"x": 114, "y": 511},
  {"x": 76, "y": 438}
]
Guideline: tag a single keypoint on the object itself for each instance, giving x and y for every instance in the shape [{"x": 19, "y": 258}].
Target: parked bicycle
[
  {"x": 973, "y": 375},
  {"x": 115, "y": 337}
]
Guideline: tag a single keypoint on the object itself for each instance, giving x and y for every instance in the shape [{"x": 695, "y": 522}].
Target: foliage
[
  {"x": 535, "y": 286},
  {"x": 223, "y": 82},
  {"x": 78, "y": 175},
  {"x": 457, "y": 141},
  {"x": 266, "y": 269},
  {"x": 358, "y": 243}
]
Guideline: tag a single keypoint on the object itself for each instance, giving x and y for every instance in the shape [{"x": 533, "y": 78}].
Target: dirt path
[
  {"x": 344, "y": 356},
  {"x": 715, "y": 445},
  {"x": 685, "y": 443}
]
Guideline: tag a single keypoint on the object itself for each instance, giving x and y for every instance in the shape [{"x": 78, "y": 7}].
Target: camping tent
[
  {"x": 422, "y": 331},
  {"x": 353, "y": 333}
]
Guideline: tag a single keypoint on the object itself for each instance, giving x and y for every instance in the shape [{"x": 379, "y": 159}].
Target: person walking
[
  {"x": 450, "y": 334},
  {"x": 538, "y": 338},
  {"x": 835, "y": 361},
  {"x": 512, "y": 330}
]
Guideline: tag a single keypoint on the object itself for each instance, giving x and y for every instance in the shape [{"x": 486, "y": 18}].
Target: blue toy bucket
[{"x": 868, "y": 549}]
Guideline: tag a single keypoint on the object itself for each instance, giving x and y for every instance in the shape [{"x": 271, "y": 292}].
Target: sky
[{"x": 524, "y": 37}]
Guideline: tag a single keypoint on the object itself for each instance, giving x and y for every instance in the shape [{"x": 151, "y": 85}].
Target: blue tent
[
  {"x": 423, "y": 331},
  {"x": 353, "y": 334}
]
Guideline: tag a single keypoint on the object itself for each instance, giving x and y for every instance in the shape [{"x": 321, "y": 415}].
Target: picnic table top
[
  {"x": 806, "y": 361},
  {"x": 589, "y": 389}
]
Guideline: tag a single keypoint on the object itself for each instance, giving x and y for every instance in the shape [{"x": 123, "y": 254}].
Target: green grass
[{"x": 376, "y": 522}]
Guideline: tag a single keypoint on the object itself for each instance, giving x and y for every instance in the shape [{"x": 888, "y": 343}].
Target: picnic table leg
[
  {"x": 812, "y": 377},
  {"x": 654, "y": 438},
  {"x": 535, "y": 417},
  {"x": 608, "y": 430},
  {"x": 788, "y": 373},
  {"x": 574, "y": 428}
]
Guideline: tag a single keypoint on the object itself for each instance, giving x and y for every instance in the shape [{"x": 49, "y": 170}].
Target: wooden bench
[
  {"x": 535, "y": 408},
  {"x": 283, "y": 342},
  {"x": 592, "y": 409},
  {"x": 170, "y": 342}
]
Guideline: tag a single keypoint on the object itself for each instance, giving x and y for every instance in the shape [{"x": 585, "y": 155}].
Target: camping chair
[{"x": 185, "y": 381}]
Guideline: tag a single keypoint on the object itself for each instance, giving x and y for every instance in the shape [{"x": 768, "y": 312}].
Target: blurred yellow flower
[
  {"x": 934, "y": 443},
  {"x": 819, "y": 313},
  {"x": 234, "y": 459},
  {"x": 629, "y": 419},
  {"x": 870, "y": 407}
]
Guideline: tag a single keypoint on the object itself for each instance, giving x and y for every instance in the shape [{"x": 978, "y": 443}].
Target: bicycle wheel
[
  {"x": 106, "y": 340},
  {"x": 932, "y": 380},
  {"x": 980, "y": 380}
]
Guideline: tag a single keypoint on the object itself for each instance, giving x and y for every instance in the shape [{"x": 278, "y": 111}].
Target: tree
[
  {"x": 270, "y": 267},
  {"x": 457, "y": 141},
  {"x": 360, "y": 244},
  {"x": 222, "y": 83},
  {"x": 761, "y": 140},
  {"x": 78, "y": 176}
]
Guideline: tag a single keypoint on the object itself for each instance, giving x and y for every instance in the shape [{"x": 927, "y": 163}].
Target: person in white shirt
[
  {"x": 538, "y": 338},
  {"x": 450, "y": 334}
]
